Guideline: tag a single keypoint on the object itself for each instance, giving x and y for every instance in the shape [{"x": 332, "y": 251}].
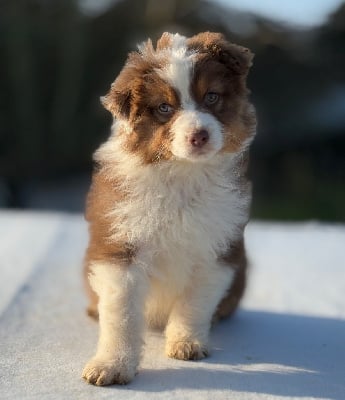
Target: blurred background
[{"x": 59, "y": 56}]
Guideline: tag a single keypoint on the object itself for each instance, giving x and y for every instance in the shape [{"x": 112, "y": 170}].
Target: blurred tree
[{"x": 58, "y": 58}]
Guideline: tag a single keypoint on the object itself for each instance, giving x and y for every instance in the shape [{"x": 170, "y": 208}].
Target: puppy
[{"x": 169, "y": 201}]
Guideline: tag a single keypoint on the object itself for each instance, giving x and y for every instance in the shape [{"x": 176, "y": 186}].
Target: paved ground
[{"x": 287, "y": 341}]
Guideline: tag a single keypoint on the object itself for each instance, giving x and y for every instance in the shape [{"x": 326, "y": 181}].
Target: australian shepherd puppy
[{"x": 169, "y": 201}]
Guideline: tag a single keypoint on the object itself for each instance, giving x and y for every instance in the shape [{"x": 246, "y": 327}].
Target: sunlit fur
[{"x": 166, "y": 216}]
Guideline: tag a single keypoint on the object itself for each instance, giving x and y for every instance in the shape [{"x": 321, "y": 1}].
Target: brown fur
[
  {"x": 101, "y": 197},
  {"x": 236, "y": 58},
  {"x": 222, "y": 68}
]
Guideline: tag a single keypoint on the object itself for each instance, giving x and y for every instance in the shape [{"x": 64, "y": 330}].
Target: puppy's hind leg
[
  {"x": 121, "y": 291},
  {"x": 235, "y": 258}
]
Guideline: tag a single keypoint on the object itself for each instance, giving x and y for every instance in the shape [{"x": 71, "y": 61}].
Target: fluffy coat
[{"x": 169, "y": 201}]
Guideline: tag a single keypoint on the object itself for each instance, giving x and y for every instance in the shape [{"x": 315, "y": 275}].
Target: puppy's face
[{"x": 186, "y": 99}]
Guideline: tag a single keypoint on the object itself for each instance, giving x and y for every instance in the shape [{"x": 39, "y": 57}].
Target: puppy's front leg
[
  {"x": 190, "y": 320},
  {"x": 121, "y": 291}
]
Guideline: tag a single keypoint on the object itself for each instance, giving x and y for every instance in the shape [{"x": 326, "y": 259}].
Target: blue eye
[
  {"x": 165, "y": 108},
  {"x": 211, "y": 98}
]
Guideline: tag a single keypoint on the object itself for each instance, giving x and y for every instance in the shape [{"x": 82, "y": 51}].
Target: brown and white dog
[{"x": 169, "y": 201}]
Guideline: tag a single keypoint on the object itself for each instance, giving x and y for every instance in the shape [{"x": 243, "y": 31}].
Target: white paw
[
  {"x": 103, "y": 372},
  {"x": 186, "y": 350}
]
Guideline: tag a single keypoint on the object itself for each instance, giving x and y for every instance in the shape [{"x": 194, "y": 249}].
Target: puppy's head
[{"x": 186, "y": 99}]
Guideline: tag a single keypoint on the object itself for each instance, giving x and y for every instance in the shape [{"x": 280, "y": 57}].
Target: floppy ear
[
  {"x": 237, "y": 58},
  {"x": 117, "y": 101},
  {"x": 126, "y": 87}
]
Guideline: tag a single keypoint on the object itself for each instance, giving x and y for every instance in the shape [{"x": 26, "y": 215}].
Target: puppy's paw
[
  {"x": 103, "y": 372},
  {"x": 186, "y": 350}
]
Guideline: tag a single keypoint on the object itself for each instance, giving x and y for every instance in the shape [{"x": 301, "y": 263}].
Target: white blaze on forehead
[{"x": 178, "y": 71}]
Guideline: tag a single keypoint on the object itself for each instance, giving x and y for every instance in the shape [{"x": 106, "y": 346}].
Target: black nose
[{"x": 199, "y": 138}]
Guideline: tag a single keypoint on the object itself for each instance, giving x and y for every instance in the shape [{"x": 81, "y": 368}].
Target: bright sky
[{"x": 296, "y": 12}]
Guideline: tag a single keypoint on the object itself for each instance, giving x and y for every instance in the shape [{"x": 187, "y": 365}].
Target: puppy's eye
[
  {"x": 211, "y": 98},
  {"x": 165, "y": 108}
]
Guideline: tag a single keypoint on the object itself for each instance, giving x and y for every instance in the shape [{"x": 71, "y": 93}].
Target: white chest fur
[{"x": 183, "y": 210}]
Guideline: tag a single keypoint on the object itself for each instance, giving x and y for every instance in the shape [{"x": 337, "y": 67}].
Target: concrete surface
[{"x": 286, "y": 342}]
